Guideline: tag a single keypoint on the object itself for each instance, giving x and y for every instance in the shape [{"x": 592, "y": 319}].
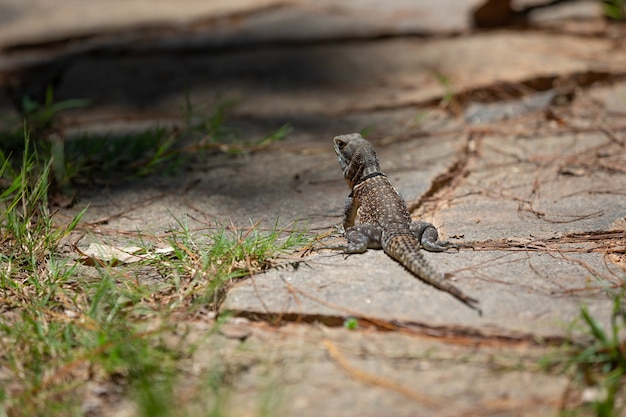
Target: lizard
[{"x": 383, "y": 219}]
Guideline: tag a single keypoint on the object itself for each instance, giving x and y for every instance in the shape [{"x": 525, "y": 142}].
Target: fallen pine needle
[{"x": 370, "y": 379}]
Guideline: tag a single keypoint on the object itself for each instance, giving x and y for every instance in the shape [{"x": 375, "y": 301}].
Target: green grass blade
[{"x": 595, "y": 327}]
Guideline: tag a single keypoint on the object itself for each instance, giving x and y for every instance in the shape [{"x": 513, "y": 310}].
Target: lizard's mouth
[{"x": 342, "y": 160}]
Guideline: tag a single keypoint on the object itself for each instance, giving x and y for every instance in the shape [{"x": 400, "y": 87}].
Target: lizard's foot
[
  {"x": 338, "y": 247},
  {"x": 362, "y": 237},
  {"x": 355, "y": 247},
  {"x": 428, "y": 237},
  {"x": 344, "y": 249},
  {"x": 348, "y": 248},
  {"x": 439, "y": 245}
]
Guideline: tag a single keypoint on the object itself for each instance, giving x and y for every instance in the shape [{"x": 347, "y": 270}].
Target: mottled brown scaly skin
[{"x": 383, "y": 219}]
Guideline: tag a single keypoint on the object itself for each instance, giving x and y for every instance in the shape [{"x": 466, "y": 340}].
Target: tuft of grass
[
  {"x": 64, "y": 324},
  {"x": 41, "y": 120},
  {"x": 115, "y": 157},
  {"x": 598, "y": 366},
  {"x": 42, "y": 116},
  {"x": 32, "y": 276},
  {"x": 164, "y": 151},
  {"x": 212, "y": 259},
  {"x": 27, "y": 228},
  {"x": 91, "y": 157},
  {"x": 449, "y": 100}
]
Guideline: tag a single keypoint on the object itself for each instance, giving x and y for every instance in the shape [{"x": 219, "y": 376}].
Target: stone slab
[
  {"x": 298, "y": 180},
  {"x": 54, "y": 29},
  {"x": 542, "y": 186},
  {"x": 329, "y": 79},
  {"x": 25, "y": 22},
  {"x": 289, "y": 370},
  {"x": 536, "y": 291},
  {"x": 525, "y": 202},
  {"x": 522, "y": 294},
  {"x": 449, "y": 379}
]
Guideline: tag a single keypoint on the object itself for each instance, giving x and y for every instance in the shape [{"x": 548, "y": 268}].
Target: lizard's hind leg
[
  {"x": 362, "y": 237},
  {"x": 428, "y": 237}
]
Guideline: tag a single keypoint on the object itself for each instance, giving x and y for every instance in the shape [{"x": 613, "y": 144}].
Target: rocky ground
[{"x": 510, "y": 140}]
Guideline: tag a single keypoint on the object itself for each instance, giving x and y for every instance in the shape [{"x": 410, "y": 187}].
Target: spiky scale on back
[{"x": 376, "y": 216}]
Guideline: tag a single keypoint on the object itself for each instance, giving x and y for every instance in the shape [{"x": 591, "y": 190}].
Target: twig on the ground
[{"x": 375, "y": 380}]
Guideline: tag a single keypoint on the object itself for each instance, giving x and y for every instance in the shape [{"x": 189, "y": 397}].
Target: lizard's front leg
[
  {"x": 350, "y": 209},
  {"x": 428, "y": 237},
  {"x": 362, "y": 237}
]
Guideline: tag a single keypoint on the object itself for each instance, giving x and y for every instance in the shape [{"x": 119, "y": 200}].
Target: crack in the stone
[
  {"x": 452, "y": 334},
  {"x": 503, "y": 91},
  {"x": 448, "y": 180},
  {"x": 600, "y": 237}
]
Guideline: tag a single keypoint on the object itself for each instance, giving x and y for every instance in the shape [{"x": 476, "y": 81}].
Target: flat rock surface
[
  {"x": 36, "y": 31},
  {"x": 38, "y": 21},
  {"x": 519, "y": 203},
  {"x": 333, "y": 78},
  {"x": 315, "y": 370}
]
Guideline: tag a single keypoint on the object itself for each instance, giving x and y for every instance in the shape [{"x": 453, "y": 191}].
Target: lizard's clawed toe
[{"x": 439, "y": 246}]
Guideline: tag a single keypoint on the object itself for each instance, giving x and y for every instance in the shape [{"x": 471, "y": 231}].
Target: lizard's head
[{"x": 357, "y": 158}]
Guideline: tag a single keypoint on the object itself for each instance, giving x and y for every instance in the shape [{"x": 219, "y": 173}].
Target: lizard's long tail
[{"x": 405, "y": 249}]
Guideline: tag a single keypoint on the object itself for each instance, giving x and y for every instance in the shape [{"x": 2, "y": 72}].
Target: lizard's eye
[{"x": 340, "y": 144}]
